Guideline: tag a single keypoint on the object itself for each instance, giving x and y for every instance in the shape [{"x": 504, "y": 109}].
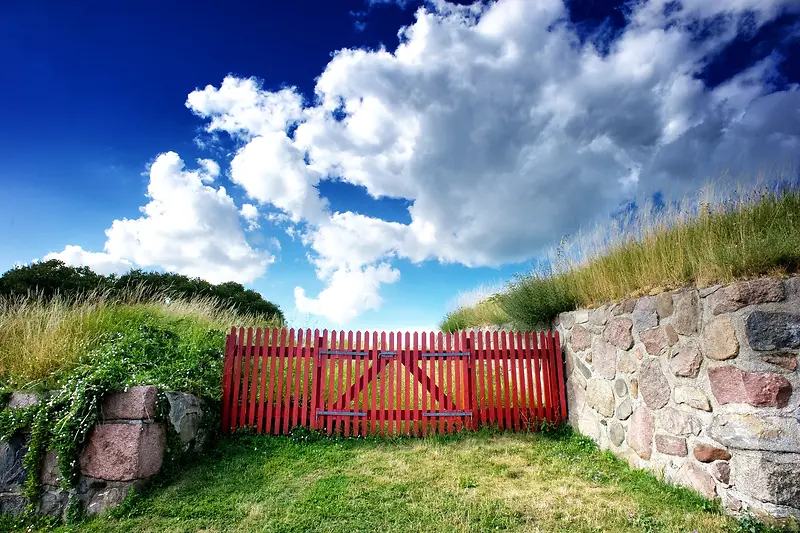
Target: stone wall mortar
[{"x": 738, "y": 400}]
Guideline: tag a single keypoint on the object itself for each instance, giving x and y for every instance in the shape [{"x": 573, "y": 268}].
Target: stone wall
[
  {"x": 121, "y": 453},
  {"x": 697, "y": 386}
]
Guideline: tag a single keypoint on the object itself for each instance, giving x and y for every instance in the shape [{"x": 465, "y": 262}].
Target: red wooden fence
[{"x": 390, "y": 384}]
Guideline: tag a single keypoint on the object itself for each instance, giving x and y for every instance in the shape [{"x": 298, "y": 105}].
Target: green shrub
[{"x": 52, "y": 278}]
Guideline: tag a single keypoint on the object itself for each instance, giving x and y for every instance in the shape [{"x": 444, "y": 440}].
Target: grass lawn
[{"x": 478, "y": 482}]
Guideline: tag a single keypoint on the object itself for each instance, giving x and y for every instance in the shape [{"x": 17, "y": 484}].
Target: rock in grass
[
  {"x": 624, "y": 409},
  {"x": 751, "y": 432},
  {"x": 580, "y": 338},
  {"x": 645, "y": 314},
  {"x": 616, "y": 433},
  {"x": 687, "y": 362},
  {"x": 604, "y": 358},
  {"x": 618, "y": 333},
  {"x": 654, "y": 340},
  {"x": 137, "y": 403},
  {"x": 664, "y": 305},
  {"x": 691, "y": 396},
  {"x": 671, "y": 445},
  {"x": 12, "y": 471},
  {"x": 22, "y": 400},
  {"x": 706, "y": 453},
  {"x": 679, "y": 422},
  {"x": 185, "y": 414},
  {"x": 743, "y": 293},
  {"x": 687, "y": 312},
  {"x": 768, "y": 477},
  {"x": 693, "y": 476}
]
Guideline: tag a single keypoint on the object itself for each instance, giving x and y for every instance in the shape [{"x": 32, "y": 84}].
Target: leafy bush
[
  {"x": 533, "y": 300},
  {"x": 50, "y": 278},
  {"x": 230, "y": 293}
]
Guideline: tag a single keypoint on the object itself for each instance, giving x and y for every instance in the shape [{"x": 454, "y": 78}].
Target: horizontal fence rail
[{"x": 382, "y": 383}]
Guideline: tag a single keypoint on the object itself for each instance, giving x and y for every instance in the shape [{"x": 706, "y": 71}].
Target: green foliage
[
  {"x": 78, "y": 339},
  {"x": 748, "y": 523},
  {"x": 146, "y": 348},
  {"x": 487, "y": 311},
  {"x": 50, "y": 278},
  {"x": 13, "y": 420},
  {"x": 454, "y": 321},
  {"x": 53, "y": 277},
  {"x": 532, "y": 300},
  {"x": 305, "y": 434},
  {"x": 229, "y": 293},
  {"x": 27, "y": 523},
  {"x": 646, "y": 523},
  {"x": 483, "y": 481}
]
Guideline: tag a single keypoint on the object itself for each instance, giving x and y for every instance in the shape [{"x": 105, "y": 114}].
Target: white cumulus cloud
[
  {"x": 501, "y": 127},
  {"x": 240, "y": 107},
  {"x": 349, "y": 293},
  {"x": 503, "y": 130},
  {"x": 100, "y": 262},
  {"x": 187, "y": 227},
  {"x": 271, "y": 170},
  {"x": 249, "y": 212}
]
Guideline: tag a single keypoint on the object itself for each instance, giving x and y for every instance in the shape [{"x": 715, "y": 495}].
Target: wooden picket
[{"x": 390, "y": 384}]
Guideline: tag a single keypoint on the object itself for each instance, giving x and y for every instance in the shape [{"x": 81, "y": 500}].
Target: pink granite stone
[
  {"x": 760, "y": 389},
  {"x": 137, "y": 403},
  {"x": 122, "y": 452},
  {"x": 640, "y": 432}
]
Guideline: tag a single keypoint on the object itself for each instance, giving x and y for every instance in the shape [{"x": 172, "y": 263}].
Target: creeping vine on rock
[{"x": 143, "y": 353}]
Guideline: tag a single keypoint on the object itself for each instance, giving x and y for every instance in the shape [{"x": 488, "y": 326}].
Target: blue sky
[{"x": 364, "y": 178}]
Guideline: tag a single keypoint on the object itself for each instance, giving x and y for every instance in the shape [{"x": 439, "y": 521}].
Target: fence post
[
  {"x": 315, "y": 383},
  {"x": 471, "y": 379},
  {"x": 562, "y": 383},
  {"x": 227, "y": 378}
]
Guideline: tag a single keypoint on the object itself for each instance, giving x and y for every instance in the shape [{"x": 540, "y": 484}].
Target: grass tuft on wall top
[{"x": 743, "y": 235}]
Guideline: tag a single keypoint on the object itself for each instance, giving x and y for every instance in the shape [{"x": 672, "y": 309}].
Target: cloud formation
[
  {"x": 188, "y": 226},
  {"x": 504, "y": 130},
  {"x": 100, "y": 262},
  {"x": 497, "y": 122}
]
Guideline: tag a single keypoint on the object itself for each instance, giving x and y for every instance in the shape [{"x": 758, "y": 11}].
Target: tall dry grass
[
  {"x": 706, "y": 240},
  {"x": 41, "y": 338}
]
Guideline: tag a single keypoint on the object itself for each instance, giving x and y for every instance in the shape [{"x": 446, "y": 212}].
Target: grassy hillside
[
  {"x": 742, "y": 236},
  {"x": 81, "y": 348},
  {"x": 43, "y": 341},
  {"x": 47, "y": 279}
]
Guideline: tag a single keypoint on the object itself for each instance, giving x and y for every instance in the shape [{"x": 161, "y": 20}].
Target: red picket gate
[{"x": 406, "y": 384}]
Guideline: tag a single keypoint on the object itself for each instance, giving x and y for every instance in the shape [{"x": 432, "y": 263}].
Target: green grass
[
  {"x": 44, "y": 341},
  {"x": 483, "y": 313},
  {"x": 479, "y": 482},
  {"x": 744, "y": 236}
]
